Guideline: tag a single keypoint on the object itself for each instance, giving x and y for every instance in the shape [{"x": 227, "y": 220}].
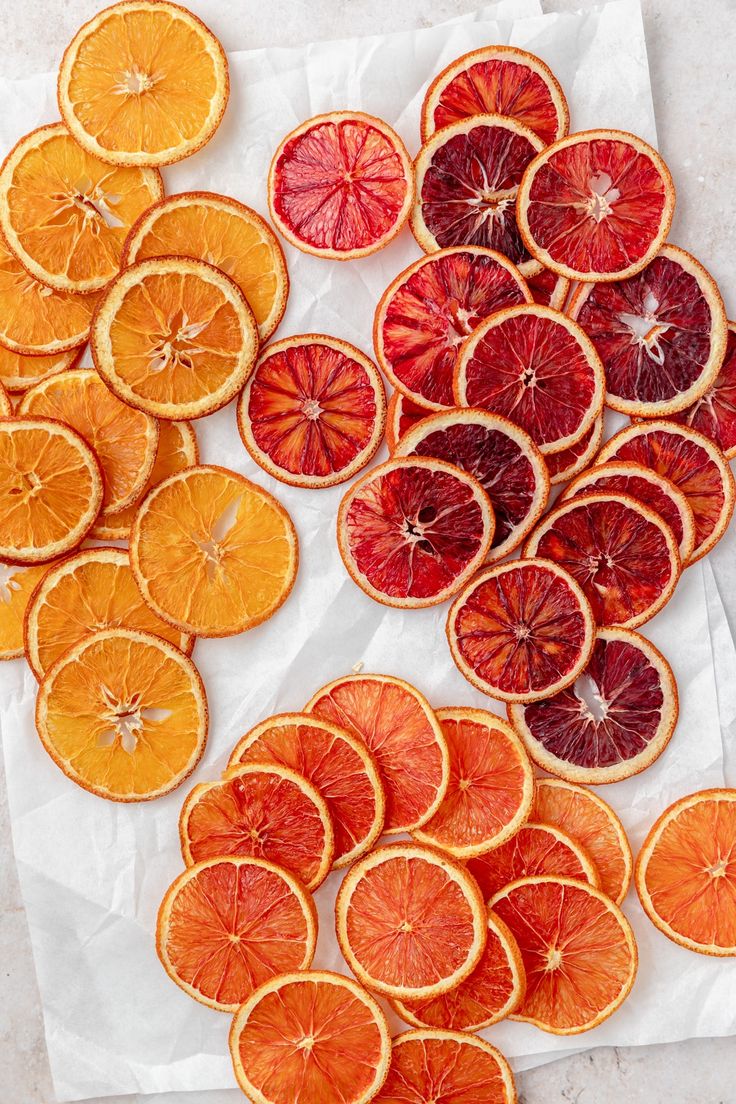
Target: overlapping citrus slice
[
  {"x": 340, "y": 185},
  {"x": 337, "y": 764},
  {"x": 143, "y": 83},
  {"x": 18, "y": 372},
  {"x": 228, "y": 924},
  {"x": 548, "y": 288},
  {"x": 535, "y": 849},
  {"x": 213, "y": 553},
  {"x": 575, "y": 458},
  {"x": 401, "y": 413},
  {"x": 123, "y": 713},
  {"x": 6, "y": 407},
  {"x": 313, "y": 412},
  {"x": 714, "y": 414},
  {"x": 410, "y": 922},
  {"x": 17, "y": 584},
  {"x": 446, "y": 1067}
]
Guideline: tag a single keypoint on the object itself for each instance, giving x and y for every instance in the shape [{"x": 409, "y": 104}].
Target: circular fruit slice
[
  {"x": 19, "y": 372},
  {"x": 410, "y": 922},
  {"x": 123, "y": 440},
  {"x": 401, "y": 414},
  {"x": 689, "y": 460},
  {"x": 535, "y": 849},
  {"x": 686, "y": 872},
  {"x": 313, "y": 1036},
  {"x": 65, "y": 213},
  {"x": 521, "y": 631},
  {"x": 491, "y": 785},
  {"x": 446, "y": 1067},
  {"x": 431, "y": 307},
  {"x": 213, "y": 553},
  {"x": 337, "y": 764},
  {"x": 576, "y": 458},
  {"x": 89, "y": 591},
  {"x": 227, "y": 925},
  {"x": 596, "y": 205},
  {"x": 500, "y": 455},
  {"x": 225, "y": 233},
  {"x": 313, "y": 412},
  {"x": 174, "y": 337},
  {"x": 536, "y": 367},
  {"x": 413, "y": 530},
  {"x": 17, "y": 585},
  {"x": 143, "y": 83},
  {"x": 548, "y": 289},
  {"x": 621, "y": 553},
  {"x": 397, "y": 725},
  {"x": 50, "y": 489},
  {"x": 714, "y": 414},
  {"x": 124, "y": 714},
  {"x": 340, "y": 185}
]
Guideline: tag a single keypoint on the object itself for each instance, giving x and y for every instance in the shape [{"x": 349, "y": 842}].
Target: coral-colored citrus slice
[
  {"x": 312, "y": 413},
  {"x": 575, "y": 458},
  {"x": 17, "y": 585},
  {"x": 548, "y": 289},
  {"x": 18, "y": 372},
  {"x": 144, "y": 82},
  {"x": 337, "y": 764},
  {"x": 410, "y": 922},
  {"x": 714, "y": 414},
  {"x": 535, "y": 849},
  {"x": 401, "y": 414},
  {"x": 446, "y": 1067},
  {"x": 340, "y": 185}
]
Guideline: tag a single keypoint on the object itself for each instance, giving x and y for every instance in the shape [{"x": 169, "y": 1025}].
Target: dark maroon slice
[{"x": 715, "y": 414}]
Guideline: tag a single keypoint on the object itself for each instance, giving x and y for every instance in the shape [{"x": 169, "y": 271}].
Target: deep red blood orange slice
[
  {"x": 501, "y": 456},
  {"x": 521, "y": 631},
  {"x": 340, "y": 185},
  {"x": 535, "y": 849},
  {"x": 431, "y": 307},
  {"x": 575, "y": 459},
  {"x": 596, "y": 205},
  {"x": 536, "y": 367},
  {"x": 548, "y": 288},
  {"x": 689, "y": 460},
  {"x": 714, "y": 414},
  {"x": 446, "y": 1067},
  {"x": 401, "y": 413},
  {"x": 397, "y": 724},
  {"x": 337, "y": 764},
  {"x": 413, "y": 530},
  {"x": 313, "y": 411}
]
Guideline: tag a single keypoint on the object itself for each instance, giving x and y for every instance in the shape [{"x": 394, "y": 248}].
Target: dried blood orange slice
[
  {"x": 264, "y": 810},
  {"x": 538, "y": 368},
  {"x": 227, "y": 925},
  {"x": 410, "y": 922},
  {"x": 401, "y": 413},
  {"x": 535, "y": 849},
  {"x": 313, "y": 1036},
  {"x": 17, "y": 585},
  {"x": 431, "y": 307},
  {"x": 574, "y": 459},
  {"x": 686, "y": 872},
  {"x": 397, "y": 725},
  {"x": 446, "y": 1067},
  {"x": 714, "y": 414},
  {"x": 596, "y": 205},
  {"x": 19, "y": 372},
  {"x": 337, "y": 764},
  {"x": 312, "y": 413},
  {"x": 500, "y": 455},
  {"x": 491, "y": 785},
  {"x": 413, "y": 530},
  {"x": 521, "y": 631},
  {"x": 340, "y": 185},
  {"x": 548, "y": 288},
  {"x": 621, "y": 553}
]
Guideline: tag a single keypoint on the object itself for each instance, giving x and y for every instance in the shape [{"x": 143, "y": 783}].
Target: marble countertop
[{"x": 691, "y": 43}]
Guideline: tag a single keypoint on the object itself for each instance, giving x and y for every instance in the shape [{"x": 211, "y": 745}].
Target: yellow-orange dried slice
[
  {"x": 17, "y": 585},
  {"x": 18, "y": 372},
  {"x": 535, "y": 849},
  {"x": 446, "y": 1067},
  {"x": 6, "y": 407}
]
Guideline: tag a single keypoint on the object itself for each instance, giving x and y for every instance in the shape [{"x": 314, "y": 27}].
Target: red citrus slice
[
  {"x": 401, "y": 413},
  {"x": 19, "y": 372},
  {"x": 689, "y": 460},
  {"x": 596, "y": 205},
  {"x": 446, "y": 1067},
  {"x": 521, "y": 631},
  {"x": 313, "y": 411},
  {"x": 535, "y": 849},
  {"x": 410, "y": 922},
  {"x": 535, "y": 366},
  {"x": 227, "y": 925},
  {"x": 574, "y": 459},
  {"x": 548, "y": 288},
  {"x": 397, "y": 725},
  {"x": 340, "y": 185},
  {"x": 413, "y": 530},
  {"x": 430, "y": 308},
  {"x": 491, "y": 785},
  {"x": 337, "y": 764},
  {"x": 714, "y": 413},
  {"x": 500, "y": 455}
]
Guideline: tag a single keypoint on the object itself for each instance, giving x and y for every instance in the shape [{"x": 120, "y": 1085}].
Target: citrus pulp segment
[
  {"x": 18, "y": 372},
  {"x": 401, "y": 413},
  {"x": 548, "y": 289},
  {"x": 17, "y": 585},
  {"x": 576, "y": 458},
  {"x": 6, "y": 407},
  {"x": 535, "y": 849},
  {"x": 714, "y": 413},
  {"x": 446, "y": 1067}
]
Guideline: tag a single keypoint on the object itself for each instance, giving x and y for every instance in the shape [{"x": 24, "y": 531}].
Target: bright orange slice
[
  {"x": 19, "y": 372},
  {"x": 17, "y": 585},
  {"x": 6, "y": 407},
  {"x": 535, "y": 849},
  {"x": 446, "y": 1067}
]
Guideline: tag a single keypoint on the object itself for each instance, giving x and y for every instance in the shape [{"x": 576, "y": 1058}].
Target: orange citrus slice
[
  {"x": 6, "y": 407},
  {"x": 575, "y": 458},
  {"x": 18, "y": 372},
  {"x": 429, "y": 1066},
  {"x": 17, "y": 585},
  {"x": 401, "y": 414},
  {"x": 535, "y": 849}
]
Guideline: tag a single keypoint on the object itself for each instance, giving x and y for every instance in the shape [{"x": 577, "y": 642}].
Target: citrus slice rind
[
  {"x": 576, "y": 458},
  {"x": 401, "y": 413},
  {"x": 536, "y": 849},
  {"x": 19, "y": 372},
  {"x": 713, "y": 413},
  {"x": 440, "y": 1067},
  {"x": 17, "y": 585},
  {"x": 548, "y": 289}
]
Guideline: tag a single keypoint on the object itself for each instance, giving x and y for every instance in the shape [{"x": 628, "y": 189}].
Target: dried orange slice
[
  {"x": 143, "y": 83},
  {"x": 261, "y": 809},
  {"x": 50, "y": 489},
  {"x": 575, "y": 458},
  {"x": 19, "y": 372},
  {"x": 446, "y": 1067},
  {"x": 225, "y": 233},
  {"x": 548, "y": 289},
  {"x": 397, "y": 725},
  {"x": 6, "y": 407},
  {"x": 174, "y": 337},
  {"x": 340, "y": 185},
  {"x": 123, "y": 713},
  {"x": 410, "y": 922},
  {"x": 314, "y": 1036},
  {"x": 123, "y": 440},
  {"x": 713, "y": 413},
  {"x": 686, "y": 872},
  {"x": 213, "y": 553},
  {"x": 17, "y": 585},
  {"x": 535, "y": 849},
  {"x": 65, "y": 214},
  {"x": 337, "y": 764},
  {"x": 491, "y": 785},
  {"x": 401, "y": 413},
  {"x": 228, "y": 924},
  {"x": 313, "y": 411}
]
